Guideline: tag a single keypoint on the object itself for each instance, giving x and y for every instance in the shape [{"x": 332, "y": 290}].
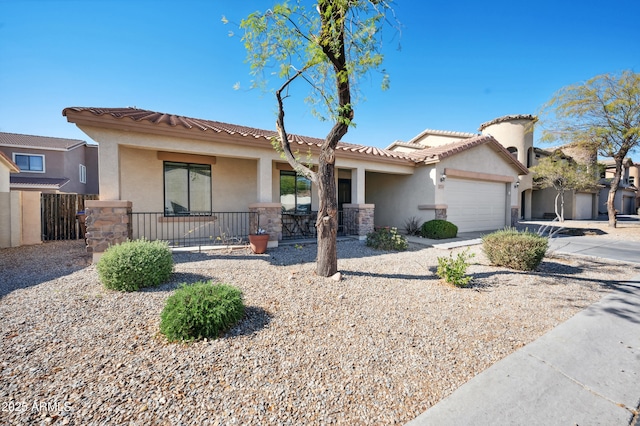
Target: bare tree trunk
[
  {"x": 611, "y": 198},
  {"x": 327, "y": 223}
]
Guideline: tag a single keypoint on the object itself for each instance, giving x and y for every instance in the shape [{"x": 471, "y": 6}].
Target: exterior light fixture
[
  {"x": 517, "y": 184},
  {"x": 443, "y": 177}
]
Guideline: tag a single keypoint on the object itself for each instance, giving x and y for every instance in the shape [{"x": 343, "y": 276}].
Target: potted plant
[{"x": 259, "y": 241}]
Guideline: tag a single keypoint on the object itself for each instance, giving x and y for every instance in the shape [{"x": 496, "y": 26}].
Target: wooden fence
[{"x": 59, "y": 213}]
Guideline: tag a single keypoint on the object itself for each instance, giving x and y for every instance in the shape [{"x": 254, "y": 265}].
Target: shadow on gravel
[
  {"x": 28, "y": 266},
  {"x": 348, "y": 273},
  {"x": 284, "y": 255},
  {"x": 255, "y": 319}
]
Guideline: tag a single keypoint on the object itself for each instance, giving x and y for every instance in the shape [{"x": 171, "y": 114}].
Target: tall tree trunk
[
  {"x": 611, "y": 198},
  {"x": 327, "y": 223}
]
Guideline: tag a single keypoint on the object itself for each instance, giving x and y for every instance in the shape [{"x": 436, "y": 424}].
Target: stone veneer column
[
  {"x": 441, "y": 214},
  {"x": 108, "y": 223},
  {"x": 515, "y": 215},
  {"x": 267, "y": 216},
  {"x": 358, "y": 219}
]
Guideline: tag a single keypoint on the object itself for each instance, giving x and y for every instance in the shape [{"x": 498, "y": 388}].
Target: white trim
[
  {"x": 44, "y": 164},
  {"x": 83, "y": 173}
]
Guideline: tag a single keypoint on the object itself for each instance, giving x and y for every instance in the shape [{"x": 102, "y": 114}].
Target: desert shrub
[
  {"x": 412, "y": 226},
  {"x": 387, "y": 239},
  {"x": 132, "y": 265},
  {"x": 201, "y": 310},
  {"x": 454, "y": 271},
  {"x": 522, "y": 251},
  {"x": 438, "y": 229}
]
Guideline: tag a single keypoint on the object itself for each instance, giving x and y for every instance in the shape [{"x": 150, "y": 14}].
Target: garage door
[
  {"x": 476, "y": 205},
  {"x": 583, "y": 206}
]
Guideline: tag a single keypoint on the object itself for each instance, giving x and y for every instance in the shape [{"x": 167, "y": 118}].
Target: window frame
[
  {"x": 24, "y": 154},
  {"x": 83, "y": 173},
  {"x": 187, "y": 213},
  {"x": 296, "y": 176}
]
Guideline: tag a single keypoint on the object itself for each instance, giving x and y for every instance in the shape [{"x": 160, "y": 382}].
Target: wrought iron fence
[
  {"x": 194, "y": 229},
  {"x": 301, "y": 225}
]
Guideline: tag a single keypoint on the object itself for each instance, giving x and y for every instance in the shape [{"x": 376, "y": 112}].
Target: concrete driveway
[{"x": 624, "y": 251}]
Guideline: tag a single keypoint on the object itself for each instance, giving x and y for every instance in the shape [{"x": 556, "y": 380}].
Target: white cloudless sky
[{"x": 461, "y": 63}]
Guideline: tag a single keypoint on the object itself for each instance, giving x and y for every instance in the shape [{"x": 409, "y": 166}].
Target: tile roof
[
  {"x": 441, "y": 133},
  {"x": 30, "y": 141},
  {"x": 158, "y": 118},
  {"x": 13, "y": 167},
  {"x": 38, "y": 181},
  {"x": 438, "y": 153},
  {"x": 508, "y": 118},
  {"x": 427, "y": 155}
]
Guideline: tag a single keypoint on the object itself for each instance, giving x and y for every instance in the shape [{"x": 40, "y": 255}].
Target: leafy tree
[
  {"x": 603, "y": 112},
  {"x": 327, "y": 47},
  {"x": 563, "y": 174}
]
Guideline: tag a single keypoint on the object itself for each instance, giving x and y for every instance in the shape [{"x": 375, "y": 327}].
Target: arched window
[{"x": 514, "y": 151}]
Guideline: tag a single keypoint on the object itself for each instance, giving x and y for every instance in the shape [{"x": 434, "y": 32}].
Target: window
[
  {"x": 632, "y": 180},
  {"x": 187, "y": 189},
  {"x": 29, "y": 162},
  {"x": 295, "y": 192},
  {"x": 83, "y": 174},
  {"x": 514, "y": 151}
]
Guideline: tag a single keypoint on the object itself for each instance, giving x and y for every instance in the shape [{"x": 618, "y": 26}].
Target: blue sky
[{"x": 461, "y": 63}]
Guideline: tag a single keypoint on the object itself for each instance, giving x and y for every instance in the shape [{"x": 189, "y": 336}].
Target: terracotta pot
[{"x": 258, "y": 242}]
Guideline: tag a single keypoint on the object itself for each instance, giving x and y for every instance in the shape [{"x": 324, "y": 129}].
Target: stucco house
[
  {"x": 51, "y": 165},
  {"x": 627, "y": 199},
  {"x": 183, "y": 167}
]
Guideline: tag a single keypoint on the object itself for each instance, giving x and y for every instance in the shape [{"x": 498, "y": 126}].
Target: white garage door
[
  {"x": 583, "y": 206},
  {"x": 476, "y": 205}
]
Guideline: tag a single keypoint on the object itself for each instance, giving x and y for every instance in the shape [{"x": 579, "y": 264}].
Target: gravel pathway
[{"x": 378, "y": 347}]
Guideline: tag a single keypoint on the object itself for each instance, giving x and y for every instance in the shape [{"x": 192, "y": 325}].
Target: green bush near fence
[{"x": 136, "y": 264}]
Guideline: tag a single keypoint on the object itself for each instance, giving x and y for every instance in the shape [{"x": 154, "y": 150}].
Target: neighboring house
[
  {"x": 627, "y": 198},
  {"x": 183, "y": 166},
  {"x": 19, "y": 210},
  {"x": 51, "y": 165}
]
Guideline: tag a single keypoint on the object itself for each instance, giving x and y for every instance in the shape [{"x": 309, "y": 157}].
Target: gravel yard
[{"x": 378, "y": 347}]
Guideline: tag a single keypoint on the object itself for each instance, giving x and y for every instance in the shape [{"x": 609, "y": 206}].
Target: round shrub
[
  {"x": 438, "y": 229},
  {"x": 522, "y": 251},
  {"x": 387, "y": 239},
  {"x": 201, "y": 310},
  {"x": 133, "y": 265}
]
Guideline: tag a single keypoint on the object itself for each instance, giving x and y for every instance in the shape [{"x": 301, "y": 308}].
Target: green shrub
[
  {"x": 522, "y": 251},
  {"x": 438, "y": 229},
  {"x": 135, "y": 264},
  {"x": 387, "y": 239},
  {"x": 454, "y": 271},
  {"x": 201, "y": 310}
]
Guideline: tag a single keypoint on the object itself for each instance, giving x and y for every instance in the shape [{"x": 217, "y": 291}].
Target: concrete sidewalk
[{"x": 586, "y": 371}]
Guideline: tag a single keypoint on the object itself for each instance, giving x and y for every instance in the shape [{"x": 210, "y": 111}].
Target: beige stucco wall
[
  {"x": 481, "y": 159},
  {"x": 5, "y": 219},
  {"x": 398, "y": 197},
  {"x": 233, "y": 181},
  {"x": 574, "y": 209},
  {"x": 518, "y": 133},
  {"x": 4, "y": 177},
  {"x": 31, "y": 218},
  {"x": 115, "y": 147},
  {"x": 20, "y": 218}
]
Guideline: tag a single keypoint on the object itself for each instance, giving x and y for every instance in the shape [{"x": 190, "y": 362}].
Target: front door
[{"x": 344, "y": 197}]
